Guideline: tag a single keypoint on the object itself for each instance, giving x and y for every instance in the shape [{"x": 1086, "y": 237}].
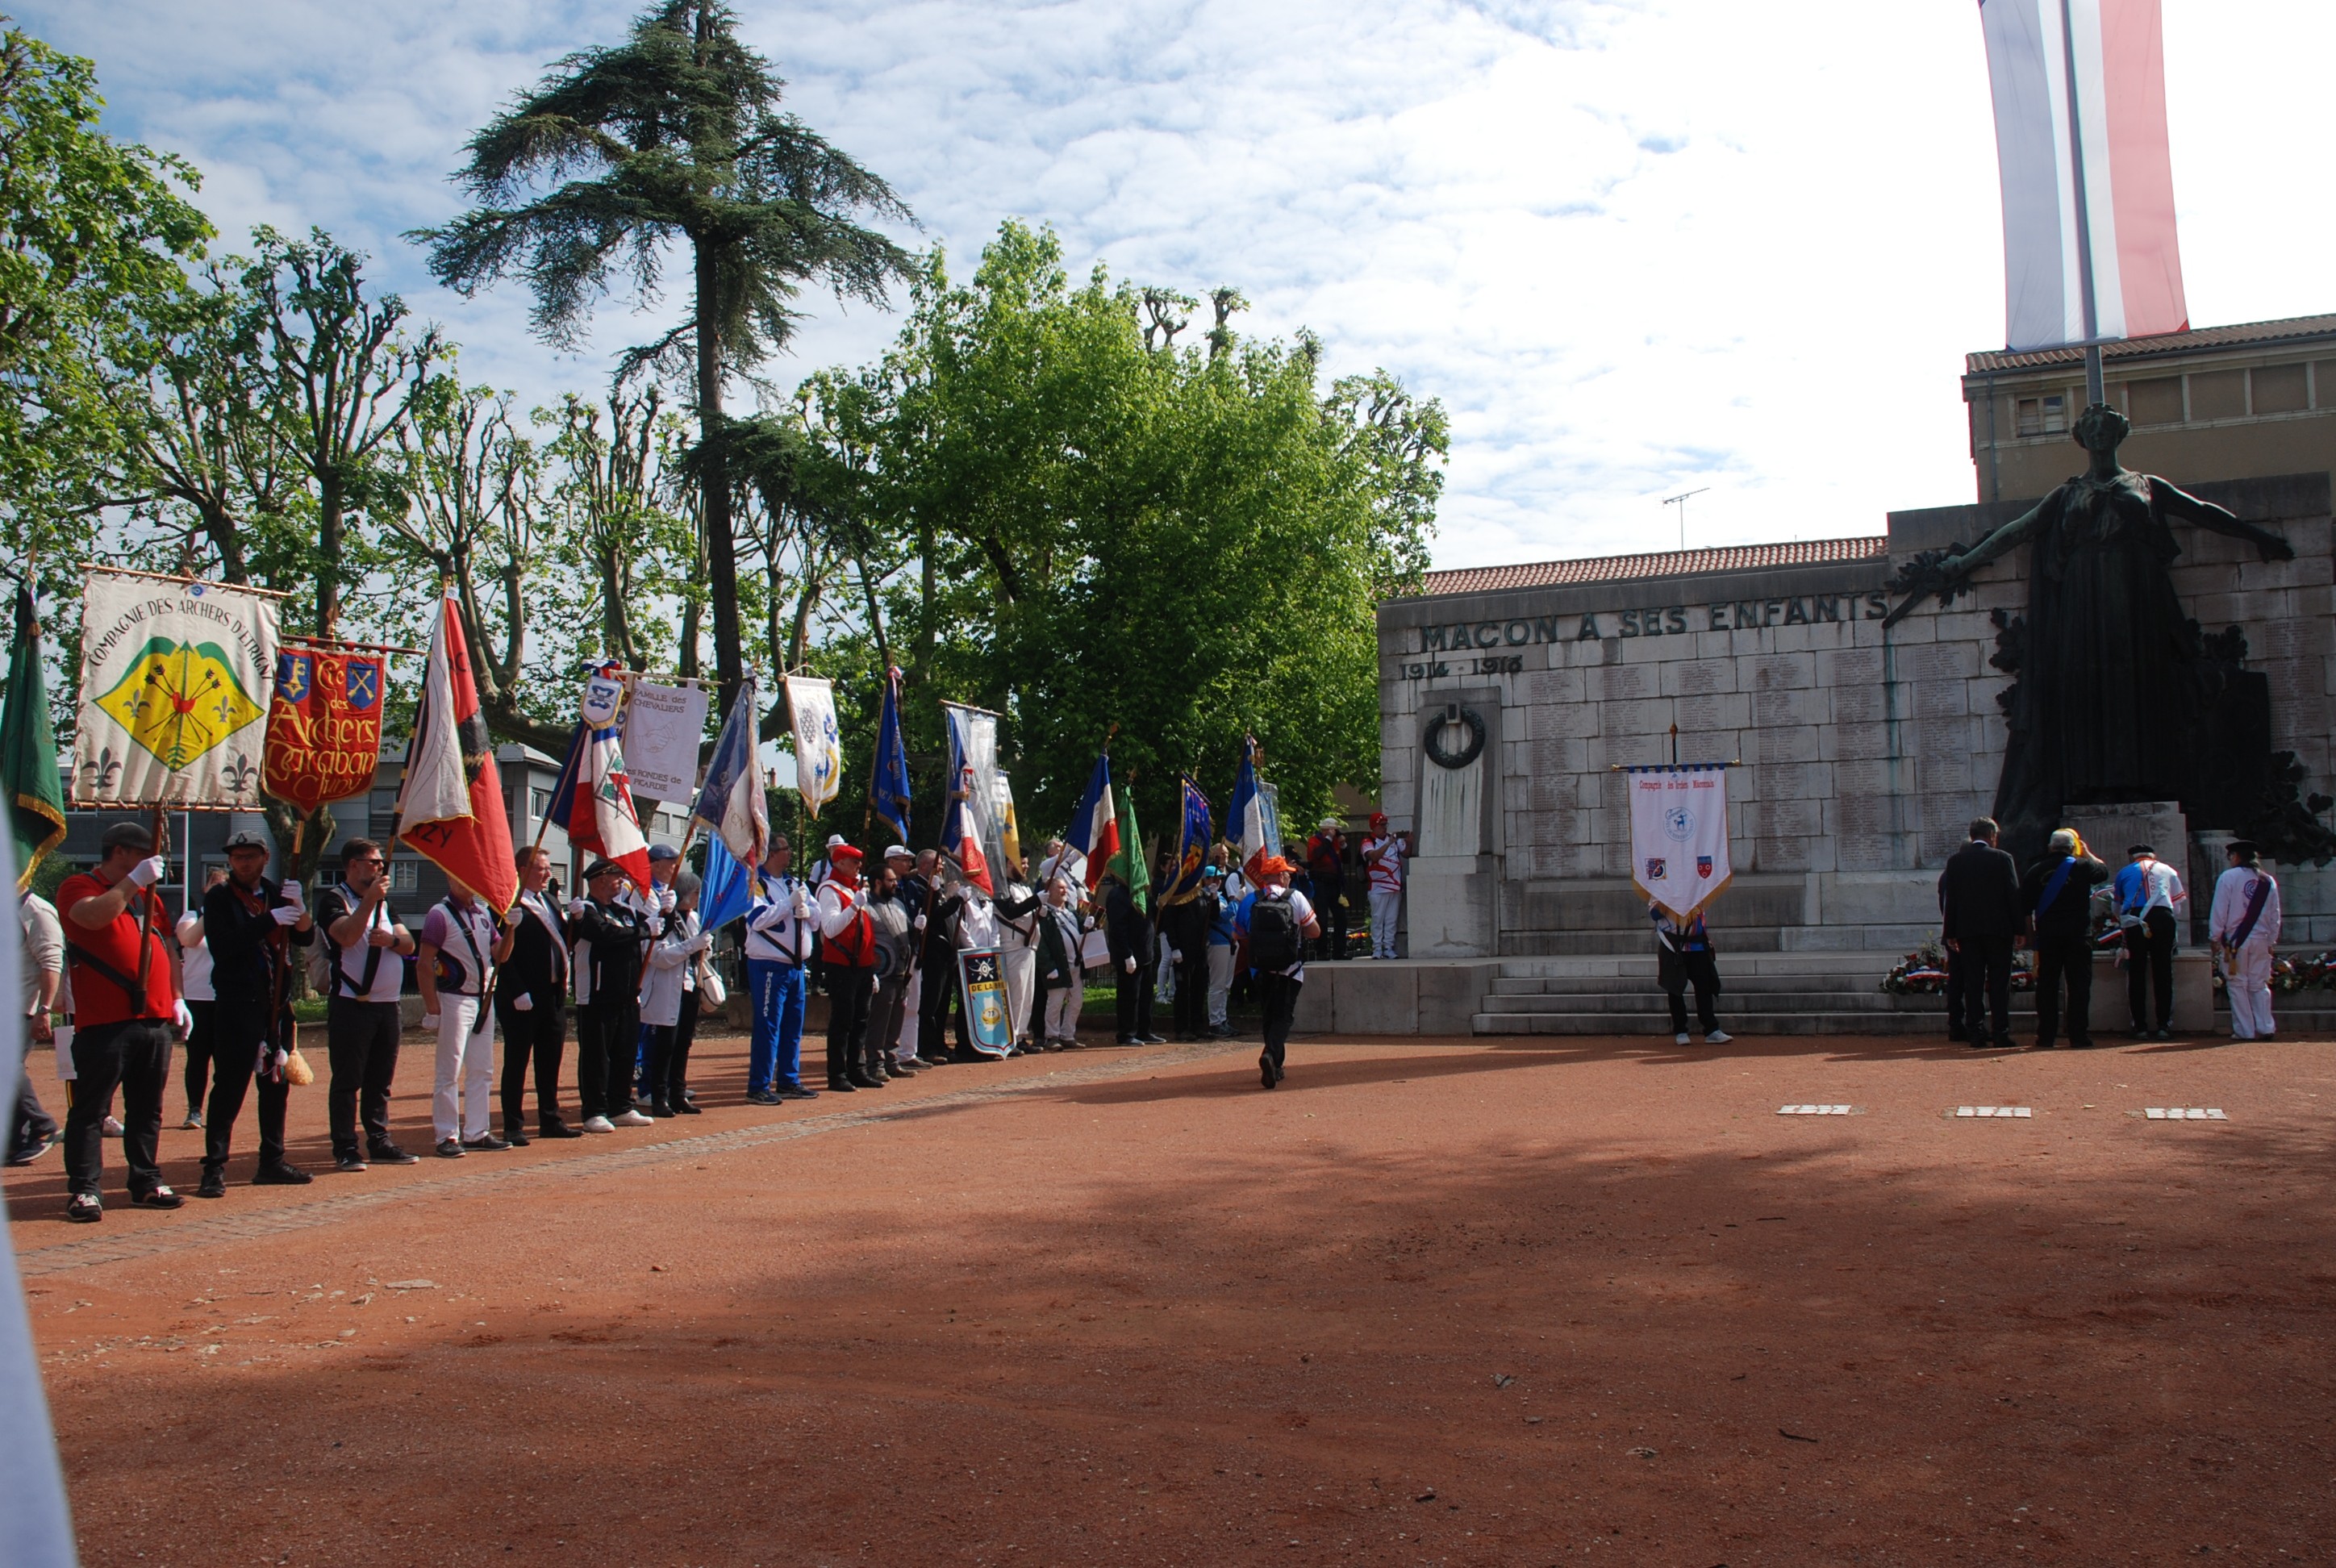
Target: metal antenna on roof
[{"x": 1680, "y": 502}]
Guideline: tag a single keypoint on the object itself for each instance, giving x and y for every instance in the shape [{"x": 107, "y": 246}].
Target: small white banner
[
  {"x": 1813, "y": 1110},
  {"x": 819, "y": 745},
  {"x": 664, "y": 725},
  {"x": 174, "y": 684},
  {"x": 2184, "y": 1114},
  {"x": 1678, "y": 835},
  {"x": 1994, "y": 1111}
]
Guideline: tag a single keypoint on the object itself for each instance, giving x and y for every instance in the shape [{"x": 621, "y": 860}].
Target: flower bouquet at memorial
[
  {"x": 1921, "y": 973},
  {"x": 2023, "y": 969},
  {"x": 2315, "y": 973}
]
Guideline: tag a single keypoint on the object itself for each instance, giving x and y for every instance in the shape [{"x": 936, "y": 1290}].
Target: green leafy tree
[
  {"x": 674, "y": 137},
  {"x": 1093, "y": 526},
  {"x": 94, "y": 237}
]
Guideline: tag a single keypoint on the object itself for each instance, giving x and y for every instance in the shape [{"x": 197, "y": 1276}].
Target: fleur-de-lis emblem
[
  {"x": 98, "y": 774},
  {"x": 239, "y": 775}
]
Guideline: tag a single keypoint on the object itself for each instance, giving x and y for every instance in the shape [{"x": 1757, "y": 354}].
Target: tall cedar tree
[{"x": 673, "y": 135}]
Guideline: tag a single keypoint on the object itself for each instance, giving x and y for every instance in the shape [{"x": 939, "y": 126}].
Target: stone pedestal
[
  {"x": 2108, "y": 831},
  {"x": 2194, "y": 992},
  {"x": 1449, "y": 907}
]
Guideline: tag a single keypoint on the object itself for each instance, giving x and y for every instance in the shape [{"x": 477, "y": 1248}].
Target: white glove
[
  {"x": 294, "y": 896},
  {"x": 803, "y": 904},
  {"x": 576, "y": 907},
  {"x": 147, "y": 871},
  {"x": 665, "y": 901},
  {"x": 1129, "y": 964},
  {"x": 430, "y": 1023},
  {"x": 920, "y": 922},
  {"x": 184, "y": 1016},
  {"x": 523, "y": 1003},
  {"x": 1174, "y": 956},
  {"x": 287, "y": 917},
  {"x": 701, "y": 941}
]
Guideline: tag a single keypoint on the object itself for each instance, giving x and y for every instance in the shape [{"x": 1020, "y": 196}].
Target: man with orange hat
[
  {"x": 1384, "y": 854},
  {"x": 1270, "y": 930}
]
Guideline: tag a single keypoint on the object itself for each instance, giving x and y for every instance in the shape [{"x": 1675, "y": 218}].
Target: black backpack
[{"x": 1272, "y": 932}]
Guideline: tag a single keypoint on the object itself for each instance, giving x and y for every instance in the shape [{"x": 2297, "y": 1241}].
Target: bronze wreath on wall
[{"x": 1469, "y": 719}]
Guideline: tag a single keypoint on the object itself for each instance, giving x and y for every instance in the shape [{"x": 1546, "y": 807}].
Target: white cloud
[{"x": 1636, "y": 249}]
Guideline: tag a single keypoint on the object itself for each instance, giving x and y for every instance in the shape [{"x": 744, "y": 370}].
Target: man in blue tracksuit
[{"x": 779, "y": 927}]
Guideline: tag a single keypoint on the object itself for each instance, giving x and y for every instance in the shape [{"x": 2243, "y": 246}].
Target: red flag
[{"x": 451, "y": 800}]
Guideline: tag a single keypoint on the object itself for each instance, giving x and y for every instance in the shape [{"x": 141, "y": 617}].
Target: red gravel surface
[{"x": 1428, "y": 1302}]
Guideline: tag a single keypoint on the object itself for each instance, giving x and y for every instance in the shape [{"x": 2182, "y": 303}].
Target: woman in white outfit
[{"x": 669, "y": 999}]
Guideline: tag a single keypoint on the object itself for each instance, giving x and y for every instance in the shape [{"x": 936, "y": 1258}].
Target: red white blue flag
[
  {"x": 1094, "y": 837},
  {"x": 2079, "y": 88},
  {"x": 1248, "y": 814},
  {"x": 593, "y": 801}
]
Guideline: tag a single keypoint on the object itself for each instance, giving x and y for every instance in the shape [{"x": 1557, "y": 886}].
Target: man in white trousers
[
  {"x": 1384, "y": 854},
  {"x": 2244, "y": 927},
  {"x": 461, "y": 943}
]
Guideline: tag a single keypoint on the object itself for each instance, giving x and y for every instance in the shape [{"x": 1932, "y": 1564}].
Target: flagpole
[{"x": 2096, "y": 389}]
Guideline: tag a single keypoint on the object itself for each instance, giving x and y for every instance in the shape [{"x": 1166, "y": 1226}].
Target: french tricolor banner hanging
[
  {"x": 1678, "y": 835},
  {"x": 2079, "y": 88}
]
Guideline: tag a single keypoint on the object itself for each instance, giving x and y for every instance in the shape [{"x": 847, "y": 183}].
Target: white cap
[
  {"x": 901, "y": 850},
  {"x": 834, "y": 839}
]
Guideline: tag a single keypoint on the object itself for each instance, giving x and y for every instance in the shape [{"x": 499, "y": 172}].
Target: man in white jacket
[{"x": 2244, "y": 927}]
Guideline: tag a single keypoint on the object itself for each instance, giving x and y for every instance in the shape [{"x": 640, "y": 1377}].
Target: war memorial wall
[{"x": 1865, "y": 750}]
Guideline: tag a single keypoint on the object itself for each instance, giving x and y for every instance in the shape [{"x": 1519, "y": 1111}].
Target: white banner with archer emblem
[
  {"x": 1678, "y": 834},
  {"x": 174, "y": 683}
]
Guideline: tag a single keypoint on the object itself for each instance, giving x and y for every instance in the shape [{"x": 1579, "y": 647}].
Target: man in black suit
[
  {"x": 1979, "y": 919},
  {"x": 2057, "y": 897}
]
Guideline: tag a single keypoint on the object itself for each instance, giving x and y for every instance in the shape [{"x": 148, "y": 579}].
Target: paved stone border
[{"x": 64, "y": 1257}]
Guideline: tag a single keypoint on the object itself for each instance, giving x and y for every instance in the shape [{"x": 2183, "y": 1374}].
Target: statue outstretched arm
[
  {"x": 2176, "y": 502},
  {"x": 1943, "y": 577}
]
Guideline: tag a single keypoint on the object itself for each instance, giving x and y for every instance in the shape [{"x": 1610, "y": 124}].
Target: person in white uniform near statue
[{"x": 2245, "y": 928}]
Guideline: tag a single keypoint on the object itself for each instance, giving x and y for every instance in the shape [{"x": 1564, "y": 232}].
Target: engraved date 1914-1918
[{"x": 1491, "y": 664}]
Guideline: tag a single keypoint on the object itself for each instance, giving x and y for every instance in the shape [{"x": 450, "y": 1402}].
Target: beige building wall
[{"x": 2249, "y": 402}]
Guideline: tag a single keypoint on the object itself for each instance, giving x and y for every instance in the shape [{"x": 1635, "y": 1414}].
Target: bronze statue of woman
[{"x": 2109, "y": 706}]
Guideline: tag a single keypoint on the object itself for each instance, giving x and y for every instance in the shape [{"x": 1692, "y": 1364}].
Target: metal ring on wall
[{"x": 1472, "y": 722}]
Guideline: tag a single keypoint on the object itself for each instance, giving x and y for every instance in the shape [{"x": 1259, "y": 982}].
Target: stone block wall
[{"x": 1865, "y": 753}]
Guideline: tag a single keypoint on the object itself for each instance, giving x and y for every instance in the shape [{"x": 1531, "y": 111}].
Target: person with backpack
[
  {"x": 367, "y": 946},
  {"x": 461, "y": 944},
  {"x": 121, "y": 957},
  {"x": 1272, "y": 929},
  {"x": 2245, "y": 928},
  {"x": 2057, "y": 896},
  {"x": 250, "y": 926}
]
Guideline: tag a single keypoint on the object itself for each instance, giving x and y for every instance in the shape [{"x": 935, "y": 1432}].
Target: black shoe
[
  {"x": 448, "y": 1149},
  {"x": 925, "y": 1061},
  {"x": 2045, "y": 1043},
  {"x": 84, "y": 1208},
  {"x": 214, "y": 1185},
  {"x": 1265, "y": 1068},
  {"x": 841, "y": 1087},
  {"x": 686, "y": 1108},
  {"x": 763, "y": 1098},
  {"x": 795, "y": 1091},
  {"x": 281, "y": 1174},
  {"x": 160, "y": 1198},
  {"x": 658, "y": 1108},
  {"x": 1155, "y": 1039},
  {"x": 348, "y": 1162},
  {"x": 2087, "y": 1044},
  {"x": 2165, "y": 1034},
  {"x": 513, "y": 1138},
  {"x": 391, "y": 1154},
  {"x": 863, "y": 1080},
  {"x": 1125, "y": 1040},
  {"x": 900, "y": 1069},
  {"x": 487, "y": 1142},
  {"x": 557, "y": 1130}
]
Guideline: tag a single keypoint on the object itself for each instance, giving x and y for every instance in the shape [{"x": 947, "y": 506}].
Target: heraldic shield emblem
[{"x": 324, "y": 724}]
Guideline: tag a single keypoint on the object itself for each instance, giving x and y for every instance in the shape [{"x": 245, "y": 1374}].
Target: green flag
[
  {"x": 29, "y": 750},
  {"x": 1134, "y": 869}
]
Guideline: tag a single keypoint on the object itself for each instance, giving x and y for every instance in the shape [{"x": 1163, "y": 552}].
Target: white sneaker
[
  {"x": 633, "y": 1119},
  {"x": 1717, "y": 1037},
  {"x": 1679, "y": 1039},
  {"x": 599, "y": 1124}
]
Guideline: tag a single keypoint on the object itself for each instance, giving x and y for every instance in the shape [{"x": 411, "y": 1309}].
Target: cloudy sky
[{"x": 1637, "y": 247}]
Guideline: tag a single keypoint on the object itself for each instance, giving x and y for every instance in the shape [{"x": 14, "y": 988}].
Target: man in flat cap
[
  {"x": 122, "y": 956},
  {"x": 250, "y": 925}
]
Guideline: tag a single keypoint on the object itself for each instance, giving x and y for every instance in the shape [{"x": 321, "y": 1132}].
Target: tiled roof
[
  {"x": 2239, "y": 336},
  {"x": 1665, "y": 563}
]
